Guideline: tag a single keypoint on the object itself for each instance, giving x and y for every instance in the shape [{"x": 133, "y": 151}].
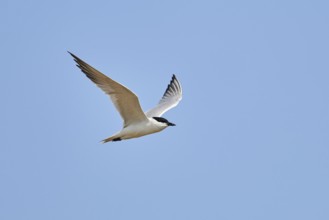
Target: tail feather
[{"x": 112, "y": 138}]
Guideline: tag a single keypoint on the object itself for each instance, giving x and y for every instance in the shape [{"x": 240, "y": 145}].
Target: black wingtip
[
  {"x": 173, "y": 78},
  {"x": 74, "y": 56},
  {"x": 76, "y": 59}
]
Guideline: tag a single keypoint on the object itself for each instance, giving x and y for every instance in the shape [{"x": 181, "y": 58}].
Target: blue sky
[{"x": 251, "y": 140}]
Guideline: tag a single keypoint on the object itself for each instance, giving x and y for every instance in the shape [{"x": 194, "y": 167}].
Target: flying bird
[{"x": 136, "y": 123}]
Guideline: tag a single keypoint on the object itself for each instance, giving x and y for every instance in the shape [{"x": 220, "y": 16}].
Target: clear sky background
[{"x": 252, "y": 134}]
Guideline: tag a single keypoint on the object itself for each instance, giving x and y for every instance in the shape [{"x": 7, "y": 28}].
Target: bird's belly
[{"x": 140, "y": 130}]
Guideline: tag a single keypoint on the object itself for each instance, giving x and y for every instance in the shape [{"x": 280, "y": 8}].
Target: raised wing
[
  {"x": 125, "y": 101},
  {"x": 170, "y": 98}
]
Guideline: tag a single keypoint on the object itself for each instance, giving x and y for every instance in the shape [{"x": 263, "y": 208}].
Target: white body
[{"x": 142, "y": 128}]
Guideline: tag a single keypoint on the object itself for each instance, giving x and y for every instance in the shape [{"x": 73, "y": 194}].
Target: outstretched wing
[
  {"x": 125, "y": 101},
  {"x": 170, "y": 98}
]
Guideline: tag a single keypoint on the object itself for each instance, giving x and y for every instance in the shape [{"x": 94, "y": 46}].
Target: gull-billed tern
[{"x": 136, "y": 123}]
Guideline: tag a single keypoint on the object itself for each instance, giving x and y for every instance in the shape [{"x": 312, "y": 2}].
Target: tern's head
[{"x": 164, "y": 121}]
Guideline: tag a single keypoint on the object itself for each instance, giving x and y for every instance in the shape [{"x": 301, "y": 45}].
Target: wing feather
[
  {"x": 125, "y": 101},
  {"x": 170, "y": 98}
]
